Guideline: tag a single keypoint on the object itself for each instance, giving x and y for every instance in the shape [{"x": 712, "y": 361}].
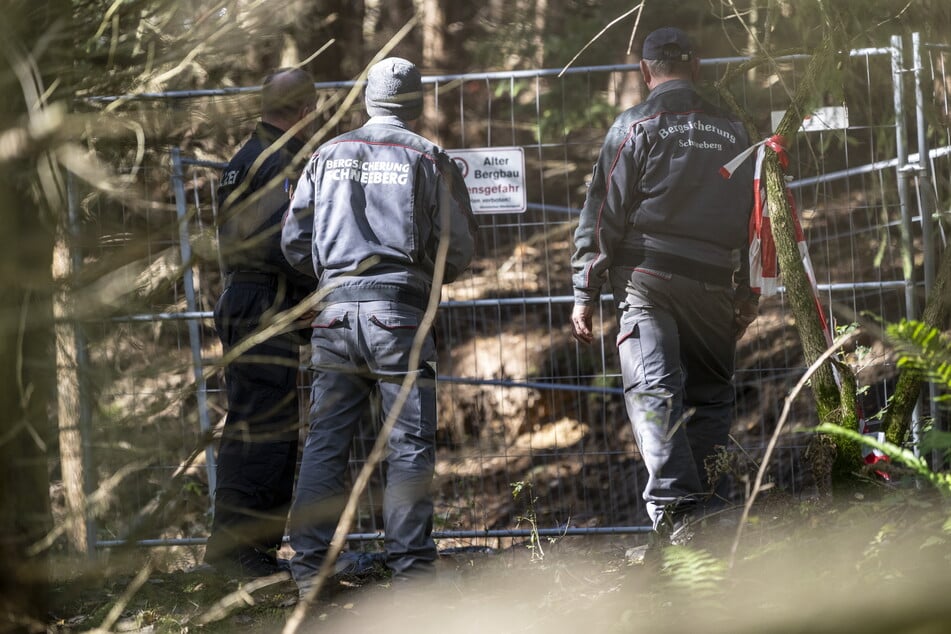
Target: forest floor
[{"x": 878, "y": 560}]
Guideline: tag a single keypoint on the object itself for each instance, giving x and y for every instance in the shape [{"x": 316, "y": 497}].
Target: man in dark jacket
[
  {"x": 669, "y": 235},
  {"x": 258, "y": 451},
  {"x": 372, "y": 212}
]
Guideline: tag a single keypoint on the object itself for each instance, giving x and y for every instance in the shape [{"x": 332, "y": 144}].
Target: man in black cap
[
  {"x": 257, "y": 455},
  {"x": 669, "y": 234},
  {"x": 370, "y": 214}
]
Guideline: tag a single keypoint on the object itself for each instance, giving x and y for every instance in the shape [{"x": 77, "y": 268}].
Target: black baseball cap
[{"x": 668, "y": 43}]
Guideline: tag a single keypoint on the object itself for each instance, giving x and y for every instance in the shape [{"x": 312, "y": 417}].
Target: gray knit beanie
[{"x": 394, "y": 87}]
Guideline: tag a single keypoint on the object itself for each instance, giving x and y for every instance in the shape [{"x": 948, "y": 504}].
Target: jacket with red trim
[
  {"x": 367, "y": 213},
  {"x": 656, "y": 194}
]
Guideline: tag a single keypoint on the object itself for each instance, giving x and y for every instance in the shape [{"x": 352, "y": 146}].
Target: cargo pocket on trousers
[
  {"x": 330, "y": 334},
  {"x": 627, "y": 328},
  {"x": 390, "y": 337}
]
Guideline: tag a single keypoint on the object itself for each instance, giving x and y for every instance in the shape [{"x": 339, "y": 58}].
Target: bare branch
[{"x": 639, "y": 8}]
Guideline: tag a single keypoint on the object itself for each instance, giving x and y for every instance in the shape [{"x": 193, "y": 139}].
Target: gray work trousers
[
  {"x": 359, "y": 347},
  {"x": 676, "y": 346}
]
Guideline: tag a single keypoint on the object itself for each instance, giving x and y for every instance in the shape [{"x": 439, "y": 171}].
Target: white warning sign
[
  {"x": 495, "y": 177},
  {"x": 819, "y": 120}
]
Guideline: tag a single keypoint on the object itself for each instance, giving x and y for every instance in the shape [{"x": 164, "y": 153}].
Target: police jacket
[
  {"x": 657, "y": 198},
  {"x": 368, "y": 213},
  {"x": 254, "y": 193}
]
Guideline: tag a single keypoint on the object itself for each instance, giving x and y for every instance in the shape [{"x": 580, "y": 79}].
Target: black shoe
[
  {"x": 357, "y": 566},
  {"x": 681, "y": 531},
  {"x": 350, "y": 569},
  {"x": 247, "y": 561},
  {"x": 676, "y": 527}
]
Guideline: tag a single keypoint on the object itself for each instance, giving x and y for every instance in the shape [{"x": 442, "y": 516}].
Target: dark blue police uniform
[{"x": 258, "y": 450}]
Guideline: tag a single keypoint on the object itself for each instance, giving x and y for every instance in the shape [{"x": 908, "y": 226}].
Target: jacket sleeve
[
  {"x": 452, "y": 191},
  {"x": 741, "y": 276},
  {"x": 297, "y": 231},
  {"x": 604, "y": 217}
]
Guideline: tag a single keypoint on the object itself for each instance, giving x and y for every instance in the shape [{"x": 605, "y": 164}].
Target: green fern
[
  {"x": 895, "y": 453},
  {"x": 695, "y": 572},
  {"x": 922, "y": 349}
]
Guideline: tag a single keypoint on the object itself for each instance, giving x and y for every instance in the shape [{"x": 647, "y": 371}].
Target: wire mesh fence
[{"x": 532, "y": 435}]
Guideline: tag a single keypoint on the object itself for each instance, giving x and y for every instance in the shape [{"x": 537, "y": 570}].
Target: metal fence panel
[{"x": 523, "y": 408}]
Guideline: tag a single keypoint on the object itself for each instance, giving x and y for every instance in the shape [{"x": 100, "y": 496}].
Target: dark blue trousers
[{"x": 257, "y": 454}]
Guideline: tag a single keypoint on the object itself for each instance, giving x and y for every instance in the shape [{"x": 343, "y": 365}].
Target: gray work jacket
[{"x": 368, "y": 212}]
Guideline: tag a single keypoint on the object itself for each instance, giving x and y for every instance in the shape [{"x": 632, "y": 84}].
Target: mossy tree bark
[
  {"x": 936, "y": 314},
  {"x": 835, "y": 397}
]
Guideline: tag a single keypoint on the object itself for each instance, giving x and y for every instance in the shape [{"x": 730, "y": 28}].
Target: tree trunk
[
  {"x": 338, "y": 20},
  {"x": 835, "y": 402},
  {"x": 936, "y": 314},
  {"x": 68, "y": 410},
  {"x": 393, "y": 16},
  {"x": 434, "y": 36},
  {"x": 433, "y": 61},
  {"x": 538, "y": 36},
  {"x": 798, "y": 287},
  {"x": 25, "y": 347}
]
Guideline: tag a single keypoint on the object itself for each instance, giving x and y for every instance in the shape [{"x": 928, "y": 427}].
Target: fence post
[
  {"x": 194, "y": 336},
  {"x": 901, "y": 153},
  {"x": 901, "y": 172},
  {"x": 923, "y": 169},
  {"x": 927, "y": 204}
]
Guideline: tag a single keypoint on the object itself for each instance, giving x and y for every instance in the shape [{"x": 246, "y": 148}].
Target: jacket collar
[
  {"x": 270, "y": 133},
  {"x": 388, "y": 120},
  {"x": 673, "y": 84}
]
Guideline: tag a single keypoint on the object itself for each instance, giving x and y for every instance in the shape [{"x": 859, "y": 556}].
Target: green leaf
[
  {"x": 895, "y": 453},
  {"x": 935, "y": 440}
]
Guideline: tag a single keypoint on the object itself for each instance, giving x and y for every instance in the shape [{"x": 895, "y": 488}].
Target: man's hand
[
  {"x": 745, "y": 311},
  {"x": 581, "y": 323}
]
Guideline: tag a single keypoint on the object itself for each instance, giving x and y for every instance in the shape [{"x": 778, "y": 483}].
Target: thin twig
[
  {"x": 602, "y": 31},
  {"x": 316, "y": 53},
  {"x": 637, "y": 21},
  {"x": 115, "y": 612},
  {"x": 242, "y": 596}
]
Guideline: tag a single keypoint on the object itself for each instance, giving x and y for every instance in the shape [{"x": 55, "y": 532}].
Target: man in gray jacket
[
  {"x": 665, "y": 229},
  {"x": 369, "y": 214}
]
